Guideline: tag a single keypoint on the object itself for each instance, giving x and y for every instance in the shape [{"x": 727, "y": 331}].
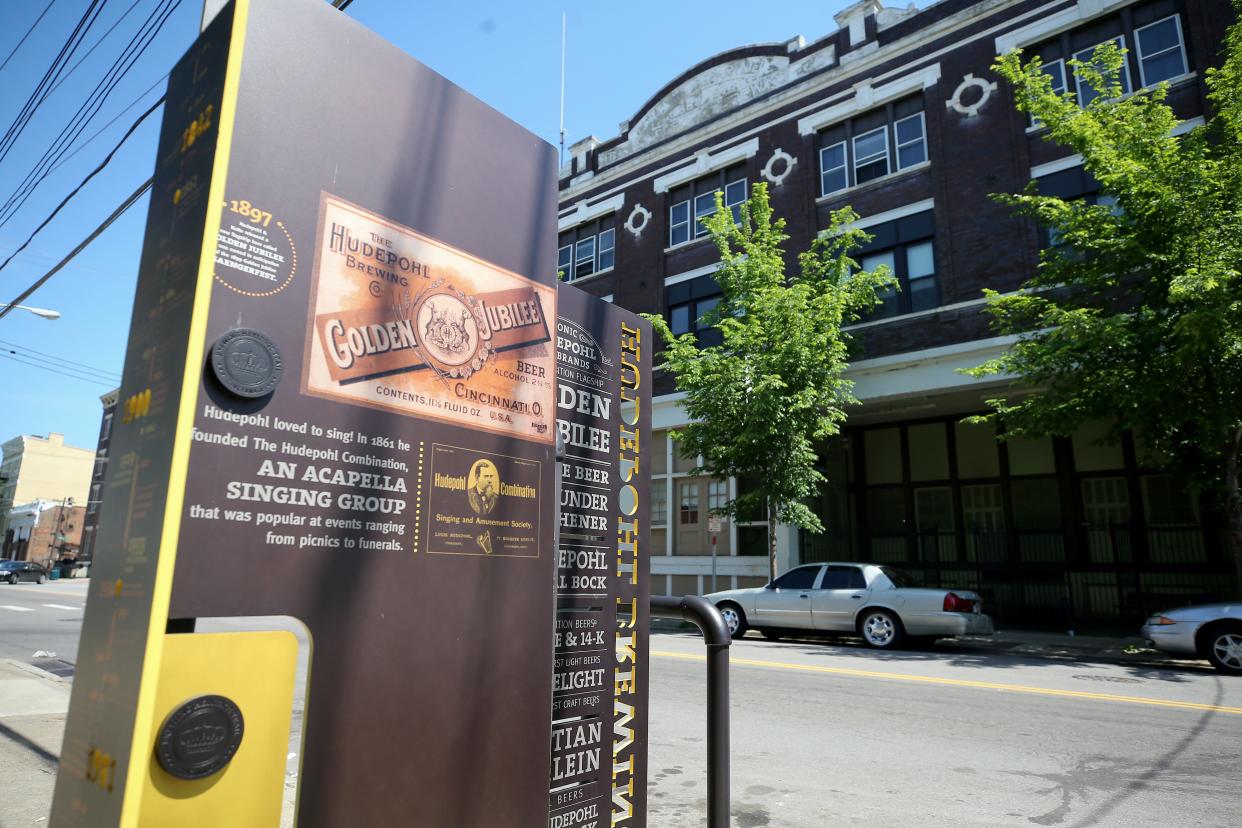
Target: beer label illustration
[{"x": 408, "y": 323}]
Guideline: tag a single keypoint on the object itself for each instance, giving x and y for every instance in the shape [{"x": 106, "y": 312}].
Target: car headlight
[{"x": 1160, "y": 621}]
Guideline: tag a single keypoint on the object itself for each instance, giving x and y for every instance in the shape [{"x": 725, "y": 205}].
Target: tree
[
  {"x": 761, "y": 401},
  {"x": 1135, "y": 313}
]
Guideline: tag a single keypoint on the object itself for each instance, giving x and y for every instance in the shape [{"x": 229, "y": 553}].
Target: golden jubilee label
[{"x": 405, "y": 322}]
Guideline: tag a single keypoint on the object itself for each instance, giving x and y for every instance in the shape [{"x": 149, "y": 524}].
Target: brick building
[
  {"x": 897, "y": 114},
  {"x": 44, "y": 531}
]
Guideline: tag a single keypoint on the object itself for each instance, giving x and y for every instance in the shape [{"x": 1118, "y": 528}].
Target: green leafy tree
[
  {"x": 761, "y": 401},
  {"x": 1135, "y": 313}
]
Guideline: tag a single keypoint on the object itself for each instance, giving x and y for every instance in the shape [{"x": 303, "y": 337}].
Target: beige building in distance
[{"x": 42, "y": 468}]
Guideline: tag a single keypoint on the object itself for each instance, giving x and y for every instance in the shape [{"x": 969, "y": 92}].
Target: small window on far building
[
  {"x": 587, "y": 249},
  {"x": 1086, "y": 93}
]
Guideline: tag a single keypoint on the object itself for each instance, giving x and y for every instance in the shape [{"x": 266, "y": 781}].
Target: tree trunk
[
  {"x": 772, "y": 539},
  {"x": 1233, "y": 501}
]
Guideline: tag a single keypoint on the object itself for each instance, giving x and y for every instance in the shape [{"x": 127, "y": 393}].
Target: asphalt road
[
  {"x": 829, "y": 734},
  {"x": 42, "y": 617}
]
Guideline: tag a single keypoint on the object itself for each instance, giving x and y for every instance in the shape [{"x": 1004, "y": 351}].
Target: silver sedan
[
  {"x": 873, "y": 601},
  {"x": 1211, "y": 631}
]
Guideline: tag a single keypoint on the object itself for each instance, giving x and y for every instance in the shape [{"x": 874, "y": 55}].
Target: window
[
  {"x": 698, "y": 201},
  {"x": 1074, "y": 184},
  {"x": 717, "y": 494},
  {"x": 832, "y": 169},
  {"x": 688, "y": 303},
  {"x": 911, "y": 143},
  {"x": 1151, "y": 33},
  {"x": 688, "y": 497},
  {"x": 659, "y": 502},
  {"x": 1086, "y": 93},
  {"x": 871, "y": 155},
  {"x": 801, "y": 578},
  {"x": 1160, "y": 51},
  {"x": 907, "y": 248},
  {"x": 843, "y": 577},
  {"x": 587, "y": 249},
  {"x": 872, "y": 146}
]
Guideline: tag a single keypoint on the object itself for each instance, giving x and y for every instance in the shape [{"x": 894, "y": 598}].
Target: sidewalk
[{"x": 33, "y": 704}]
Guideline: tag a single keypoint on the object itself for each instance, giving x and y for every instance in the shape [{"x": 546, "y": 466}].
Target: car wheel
[
  {"x": 1224, "y": 649},
  {"x": 734, "y": 619},
  {"x": 13, "y": 579},
  {"x": 42, "y": 579},
  {"x": 881, "y": 629}
]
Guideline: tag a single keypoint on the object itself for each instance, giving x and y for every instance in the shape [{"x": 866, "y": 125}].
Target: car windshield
[
  {"x": 900, "y": 579},
  {"x": 9, "y": 564}
]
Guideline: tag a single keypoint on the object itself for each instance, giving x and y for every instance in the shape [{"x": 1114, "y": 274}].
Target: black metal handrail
[{"x": 704, "y": 615}]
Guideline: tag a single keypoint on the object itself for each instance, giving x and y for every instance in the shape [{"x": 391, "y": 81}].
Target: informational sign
[
  {"x": 344, "y": 330},
  {"x": 598, "y": 772}
]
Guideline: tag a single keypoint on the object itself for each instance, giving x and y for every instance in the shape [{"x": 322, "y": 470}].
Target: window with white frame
[
  {"x": 659, "y": 502},
  {"x": 717, "y": 494},
  {"x": 587, "y": 249},
  {"x": 1151, "y": 34},
  {"x": 1160, "y": 50},
  {"x": 1086, "y": 92},
  {"x": 691, "y": 204},
  {"x": 872, "y": 145}
]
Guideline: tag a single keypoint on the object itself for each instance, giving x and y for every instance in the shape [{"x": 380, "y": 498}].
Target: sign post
[{"x": 713, "y": 526}]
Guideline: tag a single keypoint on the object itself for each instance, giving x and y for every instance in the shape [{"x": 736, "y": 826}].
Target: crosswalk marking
[
  {"x": 16, "y": 609},
  {"x": 62, "y": 607}
]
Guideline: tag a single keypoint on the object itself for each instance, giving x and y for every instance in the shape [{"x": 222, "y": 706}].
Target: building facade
[
  {"x": 41, "y": 468},
  {"x": 45, "y": 531},
  {"x": 897, "y": 114}
]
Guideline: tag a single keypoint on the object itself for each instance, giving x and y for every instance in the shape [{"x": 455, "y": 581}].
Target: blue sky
[{"x": 507, "y": 53}]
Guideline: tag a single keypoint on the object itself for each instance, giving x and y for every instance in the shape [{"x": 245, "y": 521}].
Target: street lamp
[{"x": 43, "y": 312}]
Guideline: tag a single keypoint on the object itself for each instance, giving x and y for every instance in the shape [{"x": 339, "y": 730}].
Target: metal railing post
[{"x": 704, "y": 615}]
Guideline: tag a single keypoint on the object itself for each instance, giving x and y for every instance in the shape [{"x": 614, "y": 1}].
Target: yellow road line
[{"x": 951, "y": 682}]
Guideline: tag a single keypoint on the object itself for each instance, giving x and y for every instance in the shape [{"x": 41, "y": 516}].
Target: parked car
[
  {"x": 877, "y": 602},
  {"x": 14, "y": 571},
  {"x": 1211, "y": 631}
]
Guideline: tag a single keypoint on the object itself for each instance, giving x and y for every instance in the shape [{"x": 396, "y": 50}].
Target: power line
[
  {"x": 50, "y": 77},
  {"x": 134, "y": 50},
  {"x": 125, "y": 205},
  {"x": 54, "y": 358},
  {"x": 104, "y": 128},
  {"x": 27, "y": 34},
  {"x": 91, "y": 50},
  {"x": 89, "y": 176},
  {"x": 54, "y": 371}
]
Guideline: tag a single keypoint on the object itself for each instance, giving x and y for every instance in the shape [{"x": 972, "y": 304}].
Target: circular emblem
[
  {"x": 983, "y": 90},
  {"x": 785, "y": 160},
  {"x": 247, "y": 363},
  {"x": 455, "y": 334},
  {"x": 200, "y": 737}
]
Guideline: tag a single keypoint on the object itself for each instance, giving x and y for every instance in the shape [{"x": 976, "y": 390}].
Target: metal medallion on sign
[
  {"x": 200, "y": 737},
  {"x": 247, "y": 363}
]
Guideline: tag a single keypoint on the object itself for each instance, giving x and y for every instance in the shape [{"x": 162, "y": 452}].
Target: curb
[{"x": 37, "y": 672}]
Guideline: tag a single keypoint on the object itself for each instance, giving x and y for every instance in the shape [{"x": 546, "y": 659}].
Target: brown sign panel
[
  {"x": 598, "y": 768},
  {"x": 393, "y": 238}
]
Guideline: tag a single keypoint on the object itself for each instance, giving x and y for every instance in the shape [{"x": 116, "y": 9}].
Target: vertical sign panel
[
  {"x": 598, "y": 767},
  {"x": 127, "y": 605}
]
